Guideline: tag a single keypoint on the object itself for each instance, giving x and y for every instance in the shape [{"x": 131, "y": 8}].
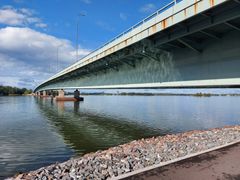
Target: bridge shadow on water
[{"x": 85, "y": 131}]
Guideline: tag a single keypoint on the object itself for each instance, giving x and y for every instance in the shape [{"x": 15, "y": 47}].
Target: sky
[{"x": 38, "y": 37}]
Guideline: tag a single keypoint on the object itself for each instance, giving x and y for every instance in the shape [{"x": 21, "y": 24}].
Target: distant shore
[
  {"x": 16, "y": 95},
  {"x": 136, "y": 155},
  {"x": 13, "y": 91},
  {"x": 160, "y": 94},
  {"x": 140, "y": 94}
]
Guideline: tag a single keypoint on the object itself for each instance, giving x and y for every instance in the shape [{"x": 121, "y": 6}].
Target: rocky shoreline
[{"x": 135, "y": 155}]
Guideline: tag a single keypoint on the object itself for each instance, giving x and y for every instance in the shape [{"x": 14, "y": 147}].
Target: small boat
[{"x": 69, "y": 99}]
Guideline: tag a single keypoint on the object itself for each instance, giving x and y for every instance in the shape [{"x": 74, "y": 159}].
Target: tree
[{"x": 7, "y": 90}]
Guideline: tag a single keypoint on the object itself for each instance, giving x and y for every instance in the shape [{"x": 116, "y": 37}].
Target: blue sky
[{"x": 31, "y": 32}]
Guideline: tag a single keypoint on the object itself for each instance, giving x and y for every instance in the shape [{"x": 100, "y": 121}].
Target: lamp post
[
  {"x": 60, "y": 45},
  {"x": 77, "y": 38}
]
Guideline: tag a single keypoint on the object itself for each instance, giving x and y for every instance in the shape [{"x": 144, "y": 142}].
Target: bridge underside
[{"x": 203, "y": 51}]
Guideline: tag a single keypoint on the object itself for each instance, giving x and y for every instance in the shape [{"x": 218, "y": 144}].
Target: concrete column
[
  {"x": 61, "y": 93},
  {"x": 44, "y": 93}
]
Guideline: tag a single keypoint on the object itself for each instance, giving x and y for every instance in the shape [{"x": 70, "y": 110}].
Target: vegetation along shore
[{"x": 13, "y": 91}]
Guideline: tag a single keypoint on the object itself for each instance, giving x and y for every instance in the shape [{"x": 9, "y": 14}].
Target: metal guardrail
[{"x": 159, "y": 11}]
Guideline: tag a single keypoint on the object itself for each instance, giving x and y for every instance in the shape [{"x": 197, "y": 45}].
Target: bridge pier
[
  {"x": 61, "y": 97},
  {"x": 37, "y": 94},
  {"x": 43, "y": 94},
  {"x": 61, "y": 93}
]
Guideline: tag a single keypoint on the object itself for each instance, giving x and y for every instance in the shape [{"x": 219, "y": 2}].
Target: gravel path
[{"x": 135, "y": 155}]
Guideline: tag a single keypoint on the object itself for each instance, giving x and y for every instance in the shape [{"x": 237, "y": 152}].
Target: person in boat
[{"x": 77, "y": 94}]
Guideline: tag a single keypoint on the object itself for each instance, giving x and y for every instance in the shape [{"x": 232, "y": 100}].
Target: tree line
[{"x": 8, "y": 90}]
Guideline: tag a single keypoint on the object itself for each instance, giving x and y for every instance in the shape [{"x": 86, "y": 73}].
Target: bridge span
[{"x": 187, "y": 43}]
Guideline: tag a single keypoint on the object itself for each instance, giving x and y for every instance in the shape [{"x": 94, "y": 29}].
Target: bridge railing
[
  {"x": 150, "y": 17},
  {"x": 94, "y": 54},
  {"x": 164, "y": 8}
]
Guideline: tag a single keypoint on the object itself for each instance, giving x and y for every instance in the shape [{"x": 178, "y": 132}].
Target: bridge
[{"x": 187, "y": 43}]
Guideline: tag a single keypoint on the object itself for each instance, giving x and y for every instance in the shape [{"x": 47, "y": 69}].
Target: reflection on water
[
  {"x": 35, "y": 132},
  {"x": 26, "y": 142},
  {"x": 87, "y": 131}
]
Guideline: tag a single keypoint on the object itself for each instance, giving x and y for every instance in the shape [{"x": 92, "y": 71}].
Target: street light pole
[
  {"x": 58, "y": 56},
  {"x": 77, "y": 38}
]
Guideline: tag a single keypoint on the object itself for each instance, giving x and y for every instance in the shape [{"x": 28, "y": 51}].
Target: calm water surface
[{"x": 36, "y": 132}]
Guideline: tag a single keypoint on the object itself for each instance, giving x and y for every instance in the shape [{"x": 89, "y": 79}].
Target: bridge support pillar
[
  {"x": 61, "y": 93},
  {"x": 61, "y": 97},
  {"x": 44, "y": 93}
]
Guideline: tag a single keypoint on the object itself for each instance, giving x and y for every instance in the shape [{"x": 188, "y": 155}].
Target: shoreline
[
  {"x": 140, "y": 94},
  {"x": 158, "y": 94},
  {"x": 136, "y": 155}
]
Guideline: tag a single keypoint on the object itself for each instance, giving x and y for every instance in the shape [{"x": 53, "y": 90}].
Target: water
[{"x": 37, "y": 132}]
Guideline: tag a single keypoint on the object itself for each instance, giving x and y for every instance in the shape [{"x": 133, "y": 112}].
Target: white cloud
[
  {"x": 41, "y": 25},
  {"x": 9, "y": 81},
  {"x": 11, "y": 17},
  {"x": 19, "y": 17},
  {"x": 105, "y": 26},
  {"x": 6, "y": 62},
  {"x": 83, "y": 52},
  {"x": 28, "y": 57},
  {"x": 123, "y": 16},
  {"x": 148, "y": 8},
  {"x": 26, "y": 11},
  {"x": 87, "y": 1}
]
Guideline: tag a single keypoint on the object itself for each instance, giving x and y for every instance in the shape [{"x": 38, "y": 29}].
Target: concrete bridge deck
[{"x": 187, "y": 43}]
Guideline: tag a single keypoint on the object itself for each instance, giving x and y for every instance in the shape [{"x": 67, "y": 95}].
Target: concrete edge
[{"x": 173, "y": 161}]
